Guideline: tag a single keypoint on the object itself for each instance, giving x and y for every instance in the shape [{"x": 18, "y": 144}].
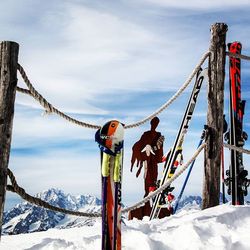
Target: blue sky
[{"x": 99, "y": 60}]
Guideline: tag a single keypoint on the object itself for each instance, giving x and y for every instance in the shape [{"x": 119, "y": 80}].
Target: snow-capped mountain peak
[{"x": 25, "y": 217}]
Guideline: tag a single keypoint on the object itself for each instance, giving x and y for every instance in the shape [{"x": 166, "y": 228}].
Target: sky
[{"x": 103, "y": 60}]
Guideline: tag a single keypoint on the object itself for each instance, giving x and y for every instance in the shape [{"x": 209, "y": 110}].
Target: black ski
[
  {"x": 180, "y": 136},
  {"x": 110, "y": 140}
]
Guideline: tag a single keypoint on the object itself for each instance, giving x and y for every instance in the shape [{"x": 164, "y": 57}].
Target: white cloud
[
  {"x": 196, "y": 4},
  {"x": 66, "y": 170},
  {"x": 33, "y": 127},
  {"x": 101, "y": 52}
]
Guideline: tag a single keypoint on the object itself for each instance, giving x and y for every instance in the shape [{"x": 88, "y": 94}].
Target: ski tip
[{"x": 235, "y": 47}]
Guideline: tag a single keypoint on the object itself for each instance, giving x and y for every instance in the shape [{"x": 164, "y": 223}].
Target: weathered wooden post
[
  {"x": 216, "y": 72},
  {"x": 8, "y": 82}
]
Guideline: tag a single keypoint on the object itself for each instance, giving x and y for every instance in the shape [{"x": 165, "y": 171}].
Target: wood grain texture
[
  {"x": 216, "y": 72},
  {"x": 8, "y": 82}
]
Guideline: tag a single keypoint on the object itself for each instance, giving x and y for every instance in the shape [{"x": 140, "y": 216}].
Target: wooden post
[
  {"x": 212, "y": 158},
  {"x": 8, "y": 83}
]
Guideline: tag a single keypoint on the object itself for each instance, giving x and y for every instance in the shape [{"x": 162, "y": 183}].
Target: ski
[
  {"x": 110, "y": 140},
  {"x": 223, "y": 180},
  {"x": 223, "y": 176},
  {"x": 166, "y": 196},
  {"x": 180, "y": 136},
  {"x": 236, "y": 174},
  {"x": 117, "y": 205},
  {"x": 189, "y": 172}
]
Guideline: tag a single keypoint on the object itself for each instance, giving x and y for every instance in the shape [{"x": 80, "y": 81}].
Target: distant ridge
[{"x": 26, "y": 218}]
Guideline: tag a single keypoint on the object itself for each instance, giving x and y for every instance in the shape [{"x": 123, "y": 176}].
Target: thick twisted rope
[
  {"x": 48, "y": 106},
  {"x": 24, "y": 91},
  {"x": 241, "y": 150},
  {"x": 174, "y": 97},
  {"x": 51, "y": 109},
  {"x": 168, "y": 182},
  {"x": 230, "y": 54},
  {"x": 34, "y": 200}
]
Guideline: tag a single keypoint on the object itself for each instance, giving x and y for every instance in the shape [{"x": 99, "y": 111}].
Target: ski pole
[
  {"x": 222, "y": 176},
  {"x": 189, "y": 172}
]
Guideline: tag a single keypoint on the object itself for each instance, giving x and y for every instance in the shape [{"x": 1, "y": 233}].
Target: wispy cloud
[
  {"x": 100, "y": 52},
  {"x": 206, "y": 5}
]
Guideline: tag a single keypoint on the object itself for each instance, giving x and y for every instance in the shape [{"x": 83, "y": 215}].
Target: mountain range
[{"x": 27, "y": 218}]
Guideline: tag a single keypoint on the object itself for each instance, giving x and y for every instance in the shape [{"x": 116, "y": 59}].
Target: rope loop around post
[
  {"x": 244, "y": 57},
  {"x": 239, "y": 149}
]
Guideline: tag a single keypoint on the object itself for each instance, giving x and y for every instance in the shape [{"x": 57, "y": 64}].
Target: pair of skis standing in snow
[{"x": 236, "y": 180}]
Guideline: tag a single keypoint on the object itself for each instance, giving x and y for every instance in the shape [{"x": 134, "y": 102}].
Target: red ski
[{"x": 110, "y": 139}]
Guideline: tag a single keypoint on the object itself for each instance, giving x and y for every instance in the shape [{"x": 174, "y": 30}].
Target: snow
[{"x": 222, "y": 227}]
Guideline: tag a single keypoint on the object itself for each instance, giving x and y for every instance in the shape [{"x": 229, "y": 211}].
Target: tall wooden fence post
[
  {"x": 212, "y": 158},
  {"x": 8, "y": 83}
]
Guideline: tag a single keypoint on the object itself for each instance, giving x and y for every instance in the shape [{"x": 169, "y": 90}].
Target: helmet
[{"x": 110, "y": 137}]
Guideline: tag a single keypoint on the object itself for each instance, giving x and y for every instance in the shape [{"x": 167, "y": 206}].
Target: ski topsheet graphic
[
  {"x": 110, "y": 139},
  {"x": 169, "y": 164}
]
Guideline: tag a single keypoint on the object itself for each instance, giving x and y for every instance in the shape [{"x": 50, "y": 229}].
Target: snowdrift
[{"x": 222, "y": 227}]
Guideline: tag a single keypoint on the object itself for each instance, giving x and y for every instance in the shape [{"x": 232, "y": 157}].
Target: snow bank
[{"x": 222, "y": 227}]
